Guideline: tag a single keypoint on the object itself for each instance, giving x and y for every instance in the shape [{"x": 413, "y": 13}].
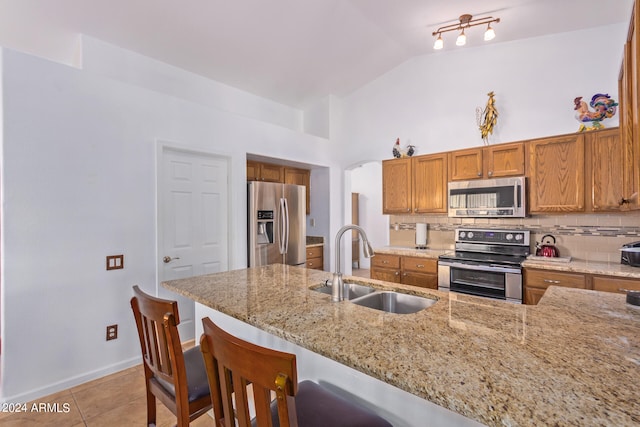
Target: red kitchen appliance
[{"x": 548, "y": 250}]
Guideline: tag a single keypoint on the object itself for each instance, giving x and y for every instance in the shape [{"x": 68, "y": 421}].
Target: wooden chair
[
  {"x": 306, "y": 404},
  {"x": 175, "y": 377}
]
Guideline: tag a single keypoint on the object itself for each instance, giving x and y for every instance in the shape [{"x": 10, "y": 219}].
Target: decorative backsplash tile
[{"x": 587, "y": 237}]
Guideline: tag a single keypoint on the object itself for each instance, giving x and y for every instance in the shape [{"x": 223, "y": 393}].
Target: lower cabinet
[
  {"x": 315, "y": 257},
  {"x": 408, "y": 270},
  {"x": 611, "y": 284},
  {"x": 537, "y": 281}
]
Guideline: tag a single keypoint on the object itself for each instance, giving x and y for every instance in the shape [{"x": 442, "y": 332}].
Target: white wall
[
  {"x": 367, "y": 181},
  {"x": 430, "y": 101},
  {"x": 79, "y": 157}
]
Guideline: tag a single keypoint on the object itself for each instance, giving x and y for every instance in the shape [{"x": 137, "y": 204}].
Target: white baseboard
[{"x": 71, "y": 382}]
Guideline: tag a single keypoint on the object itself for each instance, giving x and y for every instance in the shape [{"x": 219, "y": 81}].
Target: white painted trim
[{"x": 67, "y": 383}]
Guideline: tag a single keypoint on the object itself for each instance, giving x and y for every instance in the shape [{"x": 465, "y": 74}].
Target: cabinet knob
[
  {"x": 479, "y": 173},
  {"x": 420, "y": 265},
  {"x": 397, "y": 273},
  {"x": 490, "y": 173}
]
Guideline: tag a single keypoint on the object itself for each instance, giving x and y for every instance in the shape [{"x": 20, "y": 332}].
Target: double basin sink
[{"x": 388, "y": 301}]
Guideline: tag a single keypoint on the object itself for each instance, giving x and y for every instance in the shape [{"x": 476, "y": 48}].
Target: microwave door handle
[{"x": 517, "y": 194}]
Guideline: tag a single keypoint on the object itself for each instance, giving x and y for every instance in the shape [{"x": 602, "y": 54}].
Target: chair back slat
[
  {"x": 157, "y": 345},
  {"x": 248, "y": 363}
]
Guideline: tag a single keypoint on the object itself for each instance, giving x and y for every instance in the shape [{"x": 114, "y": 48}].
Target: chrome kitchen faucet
[{"x": 337, "y": 285}]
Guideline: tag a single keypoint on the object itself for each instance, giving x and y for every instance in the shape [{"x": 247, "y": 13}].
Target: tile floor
[{"x": 114, "y": 400}]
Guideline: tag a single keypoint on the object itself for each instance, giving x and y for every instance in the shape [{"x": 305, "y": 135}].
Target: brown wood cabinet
[
  {"x": 556, "y": 174},
  {"x": 269, "y": 172},
  {"x": 604, "y": 169},
  {"x": 315, "y": 257},
  {"x": 396, "y": 186},
  {"x": 299, "y": 177},
  {"x": 419, "y": 271},
  {"x": 429, "y": 193},
  {"x": 629, "y": 110},
  {"x": 415, "y": 271},
  {"x": 614, "y": 284},
  {"x": 386, "y": 267},
  {"x": 537, "y": 281},
  {"x": 258, "y": 171},
  {"x": 495, "y": 161}
]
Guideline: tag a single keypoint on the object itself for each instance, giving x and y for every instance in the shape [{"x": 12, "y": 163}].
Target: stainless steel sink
[
  {"x": 352, "y": 290},
  {"x": 394, "y": 302}
]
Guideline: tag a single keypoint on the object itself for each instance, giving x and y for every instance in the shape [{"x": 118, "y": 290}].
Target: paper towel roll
[{"x": 421, "y": 234}]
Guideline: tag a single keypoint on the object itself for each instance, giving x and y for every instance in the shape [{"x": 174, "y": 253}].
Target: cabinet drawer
[
  {"x": 315, "y": 263},
  {"x": 610, "y": 284},
  {"x": 385, "y": 261},
  {"x": 314, "y": 251},
  {"x": 419, "y": 265},
  {"x": 544, "y": 278}
]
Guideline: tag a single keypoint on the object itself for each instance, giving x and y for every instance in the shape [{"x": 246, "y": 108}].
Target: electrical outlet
[
  {"x": 112, "y": 332},
  {"x": 115, "y": 262}
]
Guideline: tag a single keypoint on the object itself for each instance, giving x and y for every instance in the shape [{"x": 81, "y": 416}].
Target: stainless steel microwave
[{"x": 488, "y": 198}]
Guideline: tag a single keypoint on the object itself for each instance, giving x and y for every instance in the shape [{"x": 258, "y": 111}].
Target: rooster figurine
[
  {"x": 399, "y": 152},
  {"x": 604, "y": 106}
]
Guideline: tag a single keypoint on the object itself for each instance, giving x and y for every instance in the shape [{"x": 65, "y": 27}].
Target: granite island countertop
[{"x": 574, "y": 359}]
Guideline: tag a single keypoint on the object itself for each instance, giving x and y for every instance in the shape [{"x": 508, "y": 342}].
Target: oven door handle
[{"x": 493, "y": 268}]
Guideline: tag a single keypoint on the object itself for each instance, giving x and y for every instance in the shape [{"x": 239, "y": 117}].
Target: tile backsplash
[{"x": 588, "y": 237}]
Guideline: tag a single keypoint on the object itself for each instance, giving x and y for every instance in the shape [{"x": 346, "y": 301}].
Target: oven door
[{"x": 492, "y": 281}]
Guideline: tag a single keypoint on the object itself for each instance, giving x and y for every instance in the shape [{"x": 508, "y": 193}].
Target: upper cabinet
[
  {"x": 493, "y": 161},
  {"x": 258, "y": 171},
  {"x": 415, "y": 185},
  {"x": 629, "y": 94},
  {"x": 556, "y": 174},
  {"x": 604, "y": 169},
  {"x": 396, "y": 186},
  {"x": 269, "y": 172},
  {"x": 430, "y": 183},
  {"x": 299, "y": 177}
]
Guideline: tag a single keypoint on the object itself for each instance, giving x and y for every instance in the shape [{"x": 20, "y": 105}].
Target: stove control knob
[
  {"x": 463, "y": 234},
  {"x": 470, "y": 235},
  {"x": 509, "y": 236},
  {"x": 519, "y": 236}
]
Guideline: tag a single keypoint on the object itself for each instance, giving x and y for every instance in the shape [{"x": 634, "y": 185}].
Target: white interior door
[{"x": 193, "y": 193}]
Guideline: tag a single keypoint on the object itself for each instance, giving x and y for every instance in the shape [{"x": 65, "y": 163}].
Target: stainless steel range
[{"x": 486, "y": 263}]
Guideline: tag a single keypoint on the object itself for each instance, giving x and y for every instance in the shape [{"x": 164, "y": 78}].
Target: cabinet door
[
  {"x": 465, "y": 164},
  {"x": 504, "y": 160},
  {"x": 556, "y": 174},
  {"x": 253, "y": 171},
  {"x": 605, "y": 168},
  {"x": 299, "y": 177},
  {"x": 429, "y": 281},
  {"x": 271, "y": 173},
  {"x": 387, "y": 275},
  {"x": 532, "y": 295},
  {"x": 430, "y": 183},
  {"x": 396, "y": 186},
  {"x": 614, "y": 284}
]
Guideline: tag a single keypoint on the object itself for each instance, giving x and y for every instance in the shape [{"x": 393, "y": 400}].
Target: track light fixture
[{"x": 465, "y": 21}]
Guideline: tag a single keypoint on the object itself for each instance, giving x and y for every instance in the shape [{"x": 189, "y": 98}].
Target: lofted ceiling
[{"x": 291, "y": 51}]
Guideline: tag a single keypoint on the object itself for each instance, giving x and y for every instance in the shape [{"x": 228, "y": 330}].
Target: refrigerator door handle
[
  {"x": 281, "y": 226},
  {"x": 286, "y": 227}
]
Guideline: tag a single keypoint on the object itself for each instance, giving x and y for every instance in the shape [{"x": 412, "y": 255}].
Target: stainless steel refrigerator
[{"x": 276, "y": 224}]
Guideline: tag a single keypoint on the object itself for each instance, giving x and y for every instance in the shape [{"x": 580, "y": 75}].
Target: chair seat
[
  {"x": 318, "y": 407},
  {"x": 197, "y": 382}
]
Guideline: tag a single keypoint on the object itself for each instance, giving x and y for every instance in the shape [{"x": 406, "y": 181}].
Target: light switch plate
[{"x": 115, "y": 262}]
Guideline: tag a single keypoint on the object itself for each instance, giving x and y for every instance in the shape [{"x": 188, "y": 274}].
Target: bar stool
[
  {"x": 175, "y": 377},
  {"x": 306, "y": 404}
]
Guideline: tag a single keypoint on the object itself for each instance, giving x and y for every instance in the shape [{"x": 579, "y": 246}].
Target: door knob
[{"x": 168, "y": 259}]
